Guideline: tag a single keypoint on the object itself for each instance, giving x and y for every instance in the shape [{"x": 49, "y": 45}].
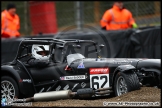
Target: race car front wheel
[
  {"x": 9, "y": 88},
  {"x": 125, "y": 82}
]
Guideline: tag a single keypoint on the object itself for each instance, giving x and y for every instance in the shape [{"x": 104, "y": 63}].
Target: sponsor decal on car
[
  {"x": 25, "y": 80},
  {"x": 58, "y": 88},
  {"x": 75, "y": 86},
  {"x": 83, "y": 84},
  {"x": 118, "y": 61},
  {"x": 79, "y": 77},
  {"x": 48, "y": 89},
  {"x": 81, "y": 65},
  {"x": 66, "y": 87},
  {"x": 62, "y": 78},
  {"x": 99, "y": 70}
]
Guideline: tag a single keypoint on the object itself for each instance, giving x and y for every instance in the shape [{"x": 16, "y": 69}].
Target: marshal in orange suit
[
  {"x": 117, "y": 18},
  {"x": 10, "y": 22}
]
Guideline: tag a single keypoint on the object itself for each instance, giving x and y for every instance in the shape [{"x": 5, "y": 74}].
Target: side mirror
[{"x": 101, "y": 46}]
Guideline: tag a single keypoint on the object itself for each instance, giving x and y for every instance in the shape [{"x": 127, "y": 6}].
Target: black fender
[
  {"x": 18, "y": 76},
  {"x": 9, "y": 70},
  {"x": 122, "y": 68}
]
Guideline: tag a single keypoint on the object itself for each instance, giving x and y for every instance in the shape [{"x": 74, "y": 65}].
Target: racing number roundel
[{"x": 99, "y": 77}]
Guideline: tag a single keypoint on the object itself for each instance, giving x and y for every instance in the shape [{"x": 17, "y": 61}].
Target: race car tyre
[
  {"x": 125, "y": 82},
  {"x": 9, "y": 88}
]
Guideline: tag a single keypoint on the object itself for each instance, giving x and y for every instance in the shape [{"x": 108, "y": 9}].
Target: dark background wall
[{"x": 141, "y": 43}]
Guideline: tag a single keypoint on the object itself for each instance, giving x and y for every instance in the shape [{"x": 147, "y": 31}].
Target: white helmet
[{"x": 40, "y": 52}]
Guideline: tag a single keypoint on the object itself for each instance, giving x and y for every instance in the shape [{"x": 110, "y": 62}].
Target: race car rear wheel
[
  {"x": 126, "y": 82},
  {"x": 9, "y": 88}
]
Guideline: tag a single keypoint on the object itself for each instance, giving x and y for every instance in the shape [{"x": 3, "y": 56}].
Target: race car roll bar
[{"x": 51, "y": 41}]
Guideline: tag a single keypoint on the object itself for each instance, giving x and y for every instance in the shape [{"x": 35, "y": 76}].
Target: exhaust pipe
[
  {"x": 103, "y": 89},
  {"x": 53, "y": 95},
  {"x": 67, "y": 94},
  {"x": 104, "y": 92}
]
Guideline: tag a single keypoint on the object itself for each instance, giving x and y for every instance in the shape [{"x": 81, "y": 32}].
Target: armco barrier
[{"x": 129, "y": 43}]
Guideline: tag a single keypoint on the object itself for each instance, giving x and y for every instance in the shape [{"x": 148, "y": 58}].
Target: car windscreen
[{"x": 86, "y": 49}]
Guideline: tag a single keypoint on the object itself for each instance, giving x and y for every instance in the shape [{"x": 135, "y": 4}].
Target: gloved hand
[
  {"x": 42, "y": 62},
  {"x": 134, "y": 25}
]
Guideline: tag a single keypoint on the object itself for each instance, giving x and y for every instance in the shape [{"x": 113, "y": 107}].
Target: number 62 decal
[{"x": 99, "y": 81}]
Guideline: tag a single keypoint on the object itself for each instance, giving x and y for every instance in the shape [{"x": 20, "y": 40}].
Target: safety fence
[{"x": 146, "y": 13}]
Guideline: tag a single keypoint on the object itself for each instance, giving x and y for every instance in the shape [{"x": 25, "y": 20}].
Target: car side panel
[
  {"x": 19, "y": 74},
  {"x": 58, "y": 73}
]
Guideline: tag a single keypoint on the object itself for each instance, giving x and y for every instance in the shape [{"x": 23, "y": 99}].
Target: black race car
[{"x": 73, "y": 71}]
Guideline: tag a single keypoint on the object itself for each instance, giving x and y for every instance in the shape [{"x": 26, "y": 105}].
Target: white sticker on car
[
  {"x": 75, "y": 86},
  {"x": 26, "y": 80},
  {"x": 99, "y": 77},
  {"x": 79, "y": 77},
  {"x": 83, "y": 84},
  {"x": 58, "y": 88},
  {"x": 66, "y": 87},
  {"x": 99, "y": 81}
]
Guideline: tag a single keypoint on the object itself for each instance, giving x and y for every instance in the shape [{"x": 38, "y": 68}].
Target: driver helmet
[{"x": 40, "y": 52}]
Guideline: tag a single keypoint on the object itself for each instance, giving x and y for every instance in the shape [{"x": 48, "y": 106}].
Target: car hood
[
  {"x": 150, "y": 64},
  {"x": 110, "y": 62}
]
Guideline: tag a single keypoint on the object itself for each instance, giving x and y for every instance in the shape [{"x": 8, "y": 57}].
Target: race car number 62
[{"x": 99, "y": 81}]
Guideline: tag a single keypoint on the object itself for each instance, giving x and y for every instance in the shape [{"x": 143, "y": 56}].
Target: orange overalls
[
  {"x": 116, "y": 19},
  {"x": 9, "y": 25}
]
